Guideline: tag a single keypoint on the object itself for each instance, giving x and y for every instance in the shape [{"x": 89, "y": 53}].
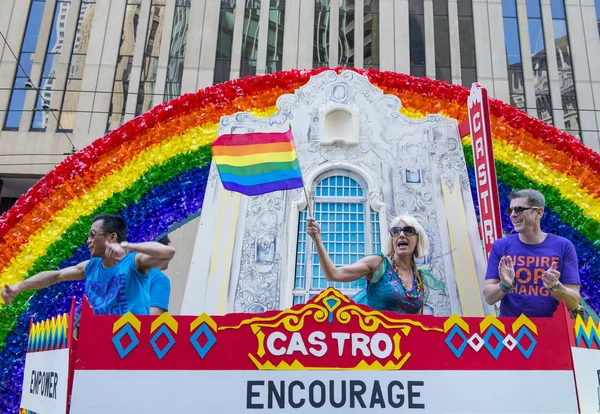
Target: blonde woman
[{"x": 394, "y": 281}]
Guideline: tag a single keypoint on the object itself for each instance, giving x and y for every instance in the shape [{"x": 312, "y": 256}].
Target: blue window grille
[{"x": 349, "y": 228}]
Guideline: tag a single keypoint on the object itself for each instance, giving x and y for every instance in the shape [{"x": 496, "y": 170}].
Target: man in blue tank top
[
  {"x": 531, "y": 271},
  {"x": 115, "y": 275}
]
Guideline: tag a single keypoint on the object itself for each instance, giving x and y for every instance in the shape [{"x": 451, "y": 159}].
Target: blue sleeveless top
[
  {"x": 386, "y": 293},
  {"x": 118, "y": 289}
]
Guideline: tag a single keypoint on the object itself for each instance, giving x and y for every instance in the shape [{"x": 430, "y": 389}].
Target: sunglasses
[
  {"x": 518, "y": 210},
  {"x": 92, "y": 234},
  {"x": 408, "y": 231}
]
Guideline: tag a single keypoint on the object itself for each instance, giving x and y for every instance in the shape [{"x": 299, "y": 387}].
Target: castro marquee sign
[
  {"x": 485, "y": 169},
  {"x": 328, "y": 355}
]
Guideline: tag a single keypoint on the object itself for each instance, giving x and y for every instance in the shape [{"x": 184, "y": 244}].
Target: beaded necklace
[{"x": 416, "y": 291}]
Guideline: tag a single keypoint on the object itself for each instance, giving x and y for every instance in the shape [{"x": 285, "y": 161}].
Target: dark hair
[
  {"x": 112, "y": 223},
  {"x": 164, "y": 240}
]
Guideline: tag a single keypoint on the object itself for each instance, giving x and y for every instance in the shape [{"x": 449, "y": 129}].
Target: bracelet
[
  {"x": 504, "y": 288},
  {"x": 556, "y": 286},
  {"x": 124, "y": 245}
]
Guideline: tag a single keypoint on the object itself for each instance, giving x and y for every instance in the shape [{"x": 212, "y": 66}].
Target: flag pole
[{"x": 307, "y": 202}]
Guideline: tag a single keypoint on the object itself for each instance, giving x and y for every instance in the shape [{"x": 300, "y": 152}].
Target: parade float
[{"x": 400, "y": 138}]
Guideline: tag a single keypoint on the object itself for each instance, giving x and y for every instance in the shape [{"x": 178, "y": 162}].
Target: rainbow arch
[{"x": 153, "y": 171}]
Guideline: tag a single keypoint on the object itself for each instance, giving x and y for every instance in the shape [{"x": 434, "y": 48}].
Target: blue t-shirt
[
  {"x": 118, "y": 289},
  {"x": 530, "y": 297},
  {"x": 158, "y": 289}
]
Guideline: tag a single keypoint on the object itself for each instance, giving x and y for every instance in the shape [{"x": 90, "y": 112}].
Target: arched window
[{"x": 349, "y": 228}]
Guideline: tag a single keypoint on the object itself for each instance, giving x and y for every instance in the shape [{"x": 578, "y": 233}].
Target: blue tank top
[
  {"x": 385, "y": 291},
  {"x": 118, "y": 289}
]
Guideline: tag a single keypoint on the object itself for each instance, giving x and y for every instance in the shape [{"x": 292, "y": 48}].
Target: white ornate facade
[{"x": 245, "y": 252}]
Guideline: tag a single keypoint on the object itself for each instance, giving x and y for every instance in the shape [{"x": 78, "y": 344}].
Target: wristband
[
  {"x": 555, "y": 287},
  {"x": 504, "y": 288},
  {"x": 124, "y": 245}
]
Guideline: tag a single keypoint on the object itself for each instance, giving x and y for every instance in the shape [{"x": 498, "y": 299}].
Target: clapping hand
[
  {"x": 551, "y": 276},
  {"x": 506, "y": 270}
]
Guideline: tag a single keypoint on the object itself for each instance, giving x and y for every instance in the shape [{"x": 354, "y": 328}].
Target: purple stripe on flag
[{"x": 264, "y": 188}]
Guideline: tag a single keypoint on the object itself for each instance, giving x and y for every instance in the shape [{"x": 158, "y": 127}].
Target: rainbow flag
[{"x": 258, "y": 162}]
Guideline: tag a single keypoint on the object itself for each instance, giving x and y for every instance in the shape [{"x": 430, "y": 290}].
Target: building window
[
  {"x": 565, "y": 68},
  {"x": 75, "y": 73},
  {"x": 321, "y": 40},
  {"x": 513, "y": 54},
  {"x": 346, "y": 37},
  {"x": 275, "y": 36},
  {"x": 538, "y": 61},
  {"x": 45, "y": 103},
  {"x": 441, "y": 29},
  {"x": 416, "y": 27},
  {"x": 177, "y": 50},
  {"x": 32, "y": 32},
  {"x": 349, "y": 228},
  {"x": 468, "y": 70},
  {"x": 371, "y": 34},
  {"x": 116, "y": 112},
  {"x": 250, "y": 38},
  {"x": 145, "y": 96},
  {"x": 224, "y": 41}
]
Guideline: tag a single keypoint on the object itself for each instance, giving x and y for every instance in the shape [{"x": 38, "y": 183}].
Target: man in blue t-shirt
[
  {"x": 116, "y": 274},
  {"x": 531, "y": 271},
  {"x": 158, "y": 288}
]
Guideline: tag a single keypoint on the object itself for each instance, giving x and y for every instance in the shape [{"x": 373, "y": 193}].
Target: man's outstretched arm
[{"x": 42, "y": 280}]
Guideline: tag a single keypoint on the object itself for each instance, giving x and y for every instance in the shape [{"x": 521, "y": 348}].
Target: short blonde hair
[{"x": 422, "y": 244}]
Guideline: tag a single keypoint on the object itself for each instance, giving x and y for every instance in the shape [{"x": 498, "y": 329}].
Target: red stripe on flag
[{"x": 253, "y": 138}]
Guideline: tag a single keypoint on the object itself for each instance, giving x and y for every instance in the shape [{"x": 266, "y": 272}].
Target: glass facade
[
  {"x": 468, "y": 69},
  {"x": 156, "y": 23},
  {"x": 346, "y": 36},
  {"x": 250, "y": 38},
  {"x": 441, "y": 29},
  {"x": 76, "y": 65},
  {"x": 416, "y": 27},
  {"x": 177, "y": 50},
  {"x": 19, "y": 91},
  {"x": 321, "y": 35},
  {"x": 224, "y": 41},
  {"x": 45, "y": 102},
  {"x": 539, "y": 62},
  {"x": 371, "y": 34},
  {"x": 516, "y": 86},
  {"x": 275, "y": 37},
  {"x": 349, "y": 228},
  {"x": 565, "y": 69},
  {"x": 116, "y": 112}
]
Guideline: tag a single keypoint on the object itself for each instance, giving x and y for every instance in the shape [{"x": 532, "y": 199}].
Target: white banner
[
  {"x": 324, "y": 391},
  {"x": 45, "y": 382},
  {"x": 586, "y": 363}
]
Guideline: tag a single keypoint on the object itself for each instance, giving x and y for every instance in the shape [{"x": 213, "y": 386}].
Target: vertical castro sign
[{"x": 485, "y": 170}]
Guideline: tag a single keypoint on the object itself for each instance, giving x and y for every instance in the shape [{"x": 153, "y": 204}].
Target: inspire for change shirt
[
  {"x": 530, "y": 297},
  {"x": 118, "y": 289}
]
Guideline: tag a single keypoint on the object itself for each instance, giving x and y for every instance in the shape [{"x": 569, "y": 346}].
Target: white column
[
  {"x": 291, "y": 23},
  {"x": 552, "y": 65},
  {"x": 305, "y": 34},
  {"x": 483, "y": 53},
  {"x": 528, "y": 80},
  {"x": 208, "y": 51},
  {"x": 236, "y": 46},
  {"x": 13, "y": 22},
  {"x": 454, "y": 41},
  {"x": 585, "y": 57},
  {"x": 334, "y": 33},
  {"x": 263, "y": 37},
  {"x": 138, "y": 59},
  {"x": 192, "y": 46},
  {"x": 429, "y": 39},
  {"x": 359, "y": 34},
  {"x": 37, "y": 67},
  {"x": 387, "y": 33},
  {"x": 163, "y": 55},
  {"x": 401, "y": 36}
]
